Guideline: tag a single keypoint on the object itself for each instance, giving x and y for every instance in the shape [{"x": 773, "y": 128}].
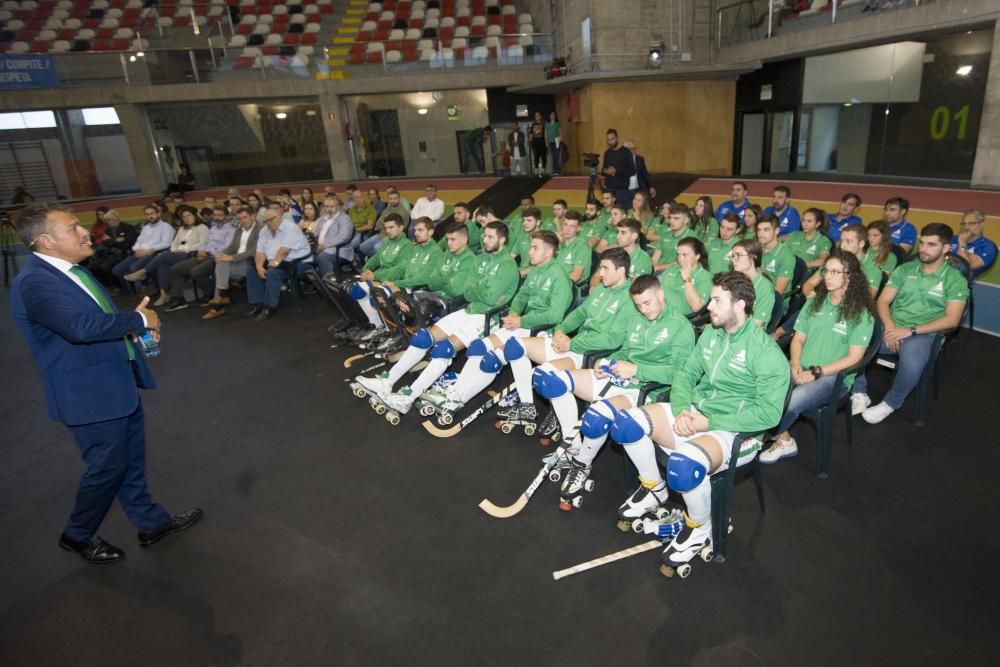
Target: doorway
[
  {"x": 385, "y": 148},
  {"x": 767, "y": 142}
]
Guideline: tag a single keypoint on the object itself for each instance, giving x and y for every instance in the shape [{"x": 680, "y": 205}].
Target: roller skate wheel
[
  {"x": 638, "y": 526},
  {"x": 555, "y": 476},
  {"x": 498, "y": 424},
  {"x": 556, "y": 437},
  {"x": 588, "y": 486},
  {"x": 506, "y": 428},
  {"x": 529, "y": 429},
  {"x": 359, "y": 392},
  {"x": 707, "y": 554},
  {"x": 392, "y": 418},
  {"x": 578, "y": 502},
  {"x": 380, "y": 409},
  {"x": 564, "y": 505},
  {"x": 426, "y": 410},
  {"x": 625, "y": 525},
  {"x": 667, "y": 571},
  {"x": 544, "y": 442},
  {"x": 684, "y": 570},
  {"x": 445, "y": 419}
]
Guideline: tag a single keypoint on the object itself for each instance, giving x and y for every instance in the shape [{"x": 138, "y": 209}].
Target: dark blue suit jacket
[
  {"x": 645, "y": 181},
  {"x": 78, "y": 347}
]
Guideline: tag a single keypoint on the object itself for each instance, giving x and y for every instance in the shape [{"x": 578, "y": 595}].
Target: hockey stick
[
  {"x": 439, "y": 432},
  {"x": 507, "y": 512},
  {"x": 349, "y": 361},
  {"x": 610, "y": 558},
  {"x": 393, "y": 358}
]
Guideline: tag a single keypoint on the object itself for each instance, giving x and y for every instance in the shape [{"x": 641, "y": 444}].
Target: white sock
[
  {"x": 589, "y": 448},
  {"x": 410, "y": 358},
  {"x": 472, "y": 380},
  {"x": 566, "y": 411},
  {"x": 371, "y": 313},
  {"x": 643, "y": 455},
  {"x": 435, "y": 369},
  {"x": 698, "y": 499},
  {"x": 521, "y": 368}
]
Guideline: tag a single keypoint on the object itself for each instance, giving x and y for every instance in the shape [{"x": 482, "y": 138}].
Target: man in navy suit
[
  {"x": 642, "y": 180},
  {"x": 91, "y": 370}
]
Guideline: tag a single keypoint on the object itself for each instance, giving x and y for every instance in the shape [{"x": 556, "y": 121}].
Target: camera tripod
[
  {"x": 594, "y": 186},
  {"x": 8, "y": 247}
]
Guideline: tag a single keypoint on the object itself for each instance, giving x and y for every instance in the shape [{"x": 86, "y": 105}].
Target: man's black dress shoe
[
  {"x": 176, "y": 524},
  {"x": 95, "y": 550},
  {"x": 253, "y": 311},
  {"x": 264, "y": 314}
]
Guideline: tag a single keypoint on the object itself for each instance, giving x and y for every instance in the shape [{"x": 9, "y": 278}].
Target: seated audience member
[
  {"x": 233, "y": 261},
  {"x": 737, "y": 203},
  {"x": 609, "y": 240},
  {"x": 188, "y": 241},
  {"x": 559, "y": 208},
  {"x": 922, "y": 298},
  {"x": 349, "y": 196},
  {"x": 290, "y": 208},
  {"x": 200, "y": 267},
  {"x": 333, "y": 236},
  {"x": 810, "y": 243},
  {"x": 778, "y": 260},
  {"x": 593, "y": 226},
  {"x": 256, "y": 204},
  {"x": 880, "y": 246},
  {"x": 832, "y": 333},
  {"x": 971, "y": 245},
  {"x": 643, "y": 212},
  {"x": 397, "y": 206},
  {"x": 678, "y": 227},
  {"x": 99, "y": 228},
  {"x": 376, "y": 201},
  {"x": 903, "y": 233},
  {"x": 428, "y": 206},
  {"x": 154, "y": 237},
  {"x": 720, "y": 247},
  {"x": 845, "y": 216},
  {"x": 116, "y": 243},
  {"x": 279, "y": 244},
  {"x": 514, "y": 220},
  {"x": 362, "y": 216},
  {"x": 574, "y": 253},
  {"x": 751, "y": 214},
  {"x": 310, "y": 218},
  {"x": 306, "y": 197},
  {"x": 627, "y": 237},
  {"x": 462, "y": 215},
  {"x": 520, "y": 238},
  {"x": 746, "y": 257},
  {"x": 735, "y": 381},
  {"x": 788, "y": 217},
  {"x": 687, "y": 282},
  {"x": 703, "y": 221}
]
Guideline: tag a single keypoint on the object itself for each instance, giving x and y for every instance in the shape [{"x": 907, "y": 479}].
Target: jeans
[
  {"x": 131, "y": 264},
  {"x": 556, "y": 157},
  {"x": 371, "y": 245},
  {"x": 160, "y": 267},
  {"x": 476, "y": 153},
  {"x": 199, "y": 271},
  {"x": 806, "y": 397},
  {"x": 266, "y": 292},
  {"x": 914, "y": 353}
]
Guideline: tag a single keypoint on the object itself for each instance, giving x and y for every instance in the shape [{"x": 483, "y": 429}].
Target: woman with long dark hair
[
  {"x": 751, "y": 214},
  {"x": 746, "y": 257},
  {"x": 831, "y": 333},
  {"x": 538, "y": 150},
  {"x": 880, "y": 246},
  {"x": 703, "y": 222},
  {"x": 553, "y": 138},
  {"x": 687, "y": 283}
]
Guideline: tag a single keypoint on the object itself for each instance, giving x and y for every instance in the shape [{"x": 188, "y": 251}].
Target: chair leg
[
  {"x": 758, "y": 481},
  {"x": 849, "y": 425},
  {"x": 824, "y": 441},
  {"x": 722, "y": 499}
]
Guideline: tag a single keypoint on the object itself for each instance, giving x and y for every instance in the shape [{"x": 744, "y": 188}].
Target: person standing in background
[
  {"x": 518, "y": 151},
  {"x": 539, "y": 159},
  {"x": 553, "y": 137}
]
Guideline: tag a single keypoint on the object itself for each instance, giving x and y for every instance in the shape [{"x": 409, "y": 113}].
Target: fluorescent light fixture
[
  {"x": 311, "y": 112},
  {"x": 100, "y": 116},
  {"x": 33, "y": 119},
  {"x": 422, "y": 111},
  {"x": 281, "y": 115},
  {"x": 964, "y": 70}
]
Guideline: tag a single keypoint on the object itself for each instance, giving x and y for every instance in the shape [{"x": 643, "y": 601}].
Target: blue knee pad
[
  {"x": 684, "y": 473},
  {"x": 595, "y": 423},
  {"x": 443, "y": 350},
  {"x": 357, "y": 292},
  {"x": 478, "y": 348},
  {"x": 512, "y": 349},
  {"x": 629, "y": 428},
  {"x": 491, "y": 363},
  {"x": 422, "y": 338},
  {"x": 553, "y": 385}
]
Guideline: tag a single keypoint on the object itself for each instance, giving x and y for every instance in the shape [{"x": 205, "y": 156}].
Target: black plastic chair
[
  {"x": 902, "y": 257},
  {"x": 777, "y": 312},
  {"x": 825, "y": 415},
  {"x": 965, "y": 269},
  {"x": 930, "y": 378}
]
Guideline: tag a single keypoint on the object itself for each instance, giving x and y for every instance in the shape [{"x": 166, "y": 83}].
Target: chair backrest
[
  {"x": 962, "y": 265},
  {"x": 800, "y": 274},
  {"x": 873, "y": 347},
  {"x": 777, "y": 311},
  {"x": 902, "y": 257}
]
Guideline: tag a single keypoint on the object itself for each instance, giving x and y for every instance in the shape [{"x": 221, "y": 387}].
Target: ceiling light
[
  {"x": 964, "y": 70},
  {"x": 281, "y": 115},
  {"x": 422, "y": 111},
  {"x": 311, "y": 112}
]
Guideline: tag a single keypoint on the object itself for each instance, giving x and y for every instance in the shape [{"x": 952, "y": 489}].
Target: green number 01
[{"x": 940, "y": 119}]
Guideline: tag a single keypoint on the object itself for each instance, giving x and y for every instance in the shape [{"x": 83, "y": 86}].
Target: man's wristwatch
[
  {"x": 817, "y": 371},
  {"x": 913, "y": 331}
]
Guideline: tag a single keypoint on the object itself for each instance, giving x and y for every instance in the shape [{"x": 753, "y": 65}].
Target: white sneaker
[
  {"x": 162, "y": 301},
  {"x": 400, "y": 401},
  {"x": 780, "y": 449},
  {"x": 876, "y": 414},
  {"x": 379, "y": 386},
  {"x": 859, "y": 403}
]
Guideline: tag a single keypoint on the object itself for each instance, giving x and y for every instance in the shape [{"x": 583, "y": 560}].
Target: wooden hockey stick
[
  {"x": 506, "y": 512},
  {"x": 439, "y": 432},
  {"x": 610, "y": 558}
]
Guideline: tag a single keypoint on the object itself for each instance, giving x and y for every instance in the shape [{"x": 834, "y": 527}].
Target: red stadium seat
[
  {"x": 309, "y": 38},
  {"x": 40, "y": 46},
  {"x": 374, "y": 57},
  {"x": 357, "y": 59},
  {"x": 292, "y": 39},
  {"x": 477, "y": 31},
  {"x": 269, "y": 50},
  {"x": 365, "y": 36},
  {"x": 101, "y": 45},
  {"x": 119, "y": 45},
  {"x": 105, "y": 33}
]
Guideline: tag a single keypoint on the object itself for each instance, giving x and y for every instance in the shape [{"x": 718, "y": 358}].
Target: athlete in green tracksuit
[
  {"x": 456, "y": 267},
  {"x": 735, "y": 381},
  {"x": 390, "y": 259}
]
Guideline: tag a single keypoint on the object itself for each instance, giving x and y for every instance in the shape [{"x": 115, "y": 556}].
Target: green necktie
[{"x": 102, "y": 301}]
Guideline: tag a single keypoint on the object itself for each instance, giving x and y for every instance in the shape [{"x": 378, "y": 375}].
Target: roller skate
[
  {"x": 640, "y": 504},
  {"x": 563, "y": 464},
  {"x": 524, "y": 415},
  {"x": 443, "y": 403},
  {"x": 508, "y": 403},
  {"x": 693, "y": 540},
  {"x": 397, "y": 404},
  {"x": 576, "y": 482},
  {"x": 665, "y": 523},
  {"x": 447, "y": 379},
  {"x": 365, "y": 387},
  {"x": 373, "y": 338},
  {"x": 549, "y": 430}
]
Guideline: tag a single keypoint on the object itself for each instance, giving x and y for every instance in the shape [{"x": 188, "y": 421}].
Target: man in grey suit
[
  {"x": 232, "y": 262},
  {"x": 519, "y": 160}
]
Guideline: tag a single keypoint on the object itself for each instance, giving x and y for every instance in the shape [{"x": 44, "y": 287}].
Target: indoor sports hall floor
[{"x": 331, "y": 537}]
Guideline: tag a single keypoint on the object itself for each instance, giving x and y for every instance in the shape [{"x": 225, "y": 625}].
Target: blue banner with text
[{"x": 28, "y": 71}]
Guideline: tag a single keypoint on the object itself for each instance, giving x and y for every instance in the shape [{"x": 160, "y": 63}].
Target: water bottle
[{"x": 150, "y": 348}]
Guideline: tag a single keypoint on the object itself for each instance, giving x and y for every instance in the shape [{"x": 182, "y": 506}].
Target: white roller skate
[
  {"x": 576, "y": 482},
  {"x": 523, "y": 415},
  {"x": 443, "y": 403},
  {"x": 665, "y": 523},
  {"x": 398, "y": 404},
  {"x": 447, "y": 379},
  {"x": 562, "y": 465},
  {"x": 378, "y": 386},
  {"x": 693, "y": 540},
  {"x": 641, "y": 503},
  {"x": 372, "y": 339}
]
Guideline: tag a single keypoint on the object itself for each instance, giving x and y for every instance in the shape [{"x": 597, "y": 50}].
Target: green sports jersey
[
  {"x": 599, "y": 322},
  {"x": 829, "y": 337},
  {"x": 392, "y": 253},
  {"x": 657, "y": 347},
  {"x": 640, "y": 263},
  {"x": 719, "y": 252},
  {"x": 807, "y": 249},
  {"x": 576, "y": 253},
  {"x": 493, "y": 282},
  {"x": 872, "y": 273},
  {"x": 706, "y": 230},
  {"x": 922, "y": 297},
  {"x": 548, "y": 225},
  {"x": 453, "y": 273},
  {"x": 763, "y": 303},
  {"x": 589, "y": 230},
  {"x": 544, "y": 296},
  {"x": 888, "y": 266},
  {"x": 423, "y": 263},
  {"x": 475, "y": 237},
  {"x": 674, "y": 288},
  {"x": 659, "y": 226},
  {"x": 667, "y": 245},
  {"x": 780, "y": 263},
  {"x": 610, "y": 235},
  {"x": 737, "y": 380}
]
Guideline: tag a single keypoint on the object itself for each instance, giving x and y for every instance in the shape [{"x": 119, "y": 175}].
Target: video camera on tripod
[{"x": 591, "y": 160}]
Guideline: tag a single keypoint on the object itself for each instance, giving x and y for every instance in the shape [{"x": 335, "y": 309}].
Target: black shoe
[
  {"x": 175, "y": 304},
  {"x": 95, "y": 550},
  {"x": 265, "y": 314},
  {"x": 253, "y": 311},
  {"x": 175, "y": 525},
  {"x": 338, "y": 326}
]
